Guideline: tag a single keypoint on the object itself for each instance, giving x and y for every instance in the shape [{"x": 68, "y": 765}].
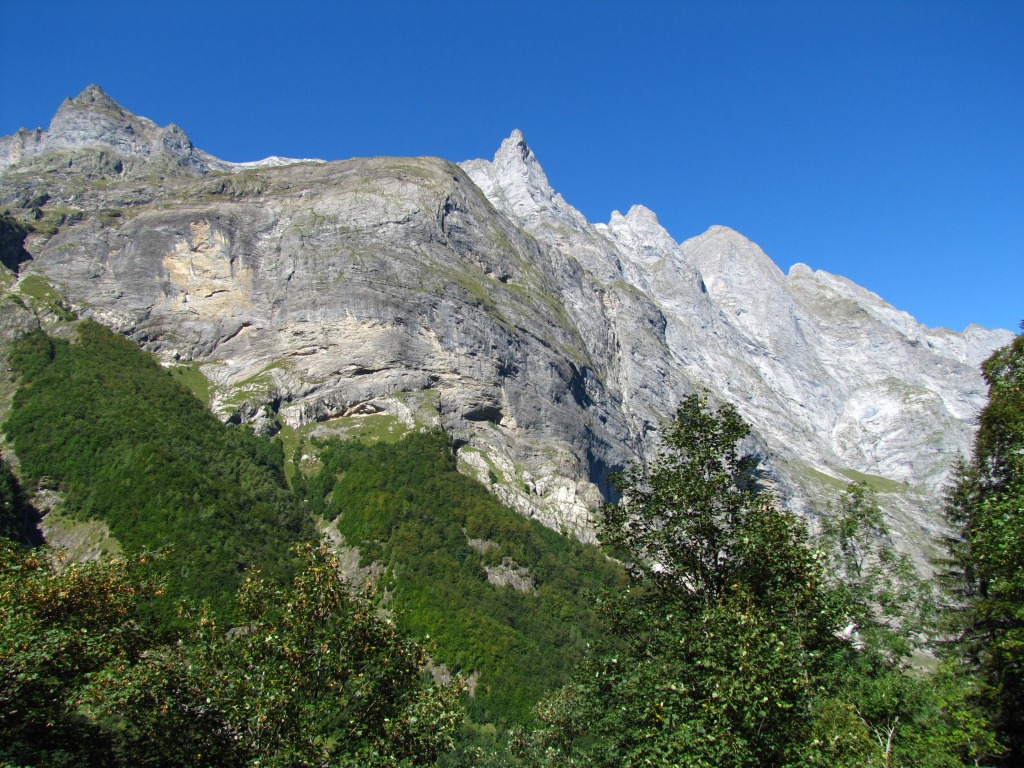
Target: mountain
[
  {"x": 94, "y": 128},
  {"x": 387, "y": 294}
]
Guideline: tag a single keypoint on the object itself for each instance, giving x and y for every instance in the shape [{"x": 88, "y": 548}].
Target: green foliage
[
  {"x": 128, "y": 445},
  {"x": 687, "y": 522},
  {"x": 731, "y": 649},
  {"x": 986, "y": 507},
  {"x": 15, "y": 518},
  {"x": 310, "y": 677},
  {"x": 58, "y": 626},
  {"x": 405, "y": 506},
  {"x": 875, "y": 586}
]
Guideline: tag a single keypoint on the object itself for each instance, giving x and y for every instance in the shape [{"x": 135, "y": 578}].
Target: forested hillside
[
  {"x": 103, "y": 422},
  {"x": 733, "y": 637},
  {"x": 126, "y": 444},
  {"x": 439, "y": 533}
]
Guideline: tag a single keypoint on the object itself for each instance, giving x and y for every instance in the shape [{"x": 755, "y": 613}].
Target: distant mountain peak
[
  {"x": 94, "y": 95},
  {"x": 641, "y": 215},
  {"x": 515, "y": 160},
  {"x": 93, "y": 116},
  {"x": 640, "y": 233},
  {"x": 93, "y": 120},
  {"x": 514, "y": 145},
  {"x": 514, "y": 178}
]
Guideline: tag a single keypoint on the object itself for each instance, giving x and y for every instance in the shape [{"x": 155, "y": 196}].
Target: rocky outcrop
[
  {"x": 105, "y": 139},
  {"x": 474, "y": 297}
]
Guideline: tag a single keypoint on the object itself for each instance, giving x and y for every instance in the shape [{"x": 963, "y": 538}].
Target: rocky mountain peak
[
  {"x": 549, "y": 346},
  {"x": 92, "y": 120},
  {"x": 94, "y": 96},
  {"x": 729, "y": 260},
  {"x": 515, "y": 146},
  {"x": 515, "y": 182},
  {"x": 639, "y": 234},
  {"x": 518, "y": 171},
  {"x": 517, "y": 186}
]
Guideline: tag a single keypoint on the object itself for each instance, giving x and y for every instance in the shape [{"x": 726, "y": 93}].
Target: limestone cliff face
[{"x": 475, "y": 298}]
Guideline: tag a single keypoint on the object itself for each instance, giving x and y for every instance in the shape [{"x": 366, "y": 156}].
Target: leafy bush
[{"x": 311, "y": 677}]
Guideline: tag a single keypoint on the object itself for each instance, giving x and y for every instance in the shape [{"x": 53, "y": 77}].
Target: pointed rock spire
[
  {"x": 515, "y": 146},
  {"x": 514, "y": 181},
  {"x": 516, "y": 167},
  {"x": 640, "y": 234}
]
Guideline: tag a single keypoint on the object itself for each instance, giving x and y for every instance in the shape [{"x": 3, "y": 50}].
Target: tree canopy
[
  {"x": 986, "y": 508},
  {"x": 735, "y": 645},
  {"x": 128, "y": 445},
  {"x": 311, "y": 676}
]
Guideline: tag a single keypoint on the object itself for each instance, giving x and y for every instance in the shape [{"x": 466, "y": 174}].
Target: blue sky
[{"x": 880, "y": 141}]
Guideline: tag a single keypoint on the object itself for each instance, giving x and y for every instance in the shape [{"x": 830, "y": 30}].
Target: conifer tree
[{"x": 986, "y": 508}]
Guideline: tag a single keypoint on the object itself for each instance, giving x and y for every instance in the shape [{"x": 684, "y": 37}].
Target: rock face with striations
[{"x": 475, "y": 298}]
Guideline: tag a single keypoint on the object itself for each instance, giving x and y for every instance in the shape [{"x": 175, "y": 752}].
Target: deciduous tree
[{"x": 729, "y": 648}]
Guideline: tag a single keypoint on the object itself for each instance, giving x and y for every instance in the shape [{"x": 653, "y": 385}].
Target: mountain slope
[{"x": 314, "y": 296}]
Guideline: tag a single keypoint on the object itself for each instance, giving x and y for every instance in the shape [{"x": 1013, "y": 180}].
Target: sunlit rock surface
[{"x": 475, "y": 298}]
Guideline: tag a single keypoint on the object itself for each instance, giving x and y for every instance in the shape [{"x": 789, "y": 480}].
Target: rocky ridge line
[{"x": 475, "y": 298}]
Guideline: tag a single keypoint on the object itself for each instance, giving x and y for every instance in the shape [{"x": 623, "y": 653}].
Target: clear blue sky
[{"x": 883, "y": 141}]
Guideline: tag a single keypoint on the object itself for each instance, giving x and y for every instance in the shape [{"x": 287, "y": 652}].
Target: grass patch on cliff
[
  {"x": 827, "y": 480},
  {"x": 375, "y": 427},
  {"x": 308, "y": 440},
  {"x": 877, "y": 483},
  {"x": 192, "y": 378},
  {"x": 42, "y": 295}
]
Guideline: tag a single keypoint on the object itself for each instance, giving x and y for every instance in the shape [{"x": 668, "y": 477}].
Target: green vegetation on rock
[
  {"x": 406, "y": 507},
  {"x": 129, "y": 445}
]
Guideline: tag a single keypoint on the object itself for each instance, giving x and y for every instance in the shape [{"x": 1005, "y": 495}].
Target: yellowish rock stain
[{"x": 208, "y": 280}]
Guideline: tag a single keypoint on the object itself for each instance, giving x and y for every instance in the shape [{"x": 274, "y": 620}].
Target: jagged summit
[
  {"x": 515, "y": 145},
  {"x": 517, "y": 186},
  {"x": 551, "y": 347},
  {"x": 110, "y": 140},
  {"x": 94, "y": 96},
  {"x": 517, "y": 170},
  {"x": 640, "y": 233},
  {"x": 514, "y": 178},
  {"x": 107, "y": 140}
]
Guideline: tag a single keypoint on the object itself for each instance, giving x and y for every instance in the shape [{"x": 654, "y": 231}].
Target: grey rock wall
[{"x": 476, "y": 298}]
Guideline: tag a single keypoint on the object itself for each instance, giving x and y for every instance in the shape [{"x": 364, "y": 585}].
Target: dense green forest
[
  {"x": 732, "y": 637},
  {"x": 128, "y": 445},
  {"x": 407, "y": 507},
  {"x": 102, "y": 421}
]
